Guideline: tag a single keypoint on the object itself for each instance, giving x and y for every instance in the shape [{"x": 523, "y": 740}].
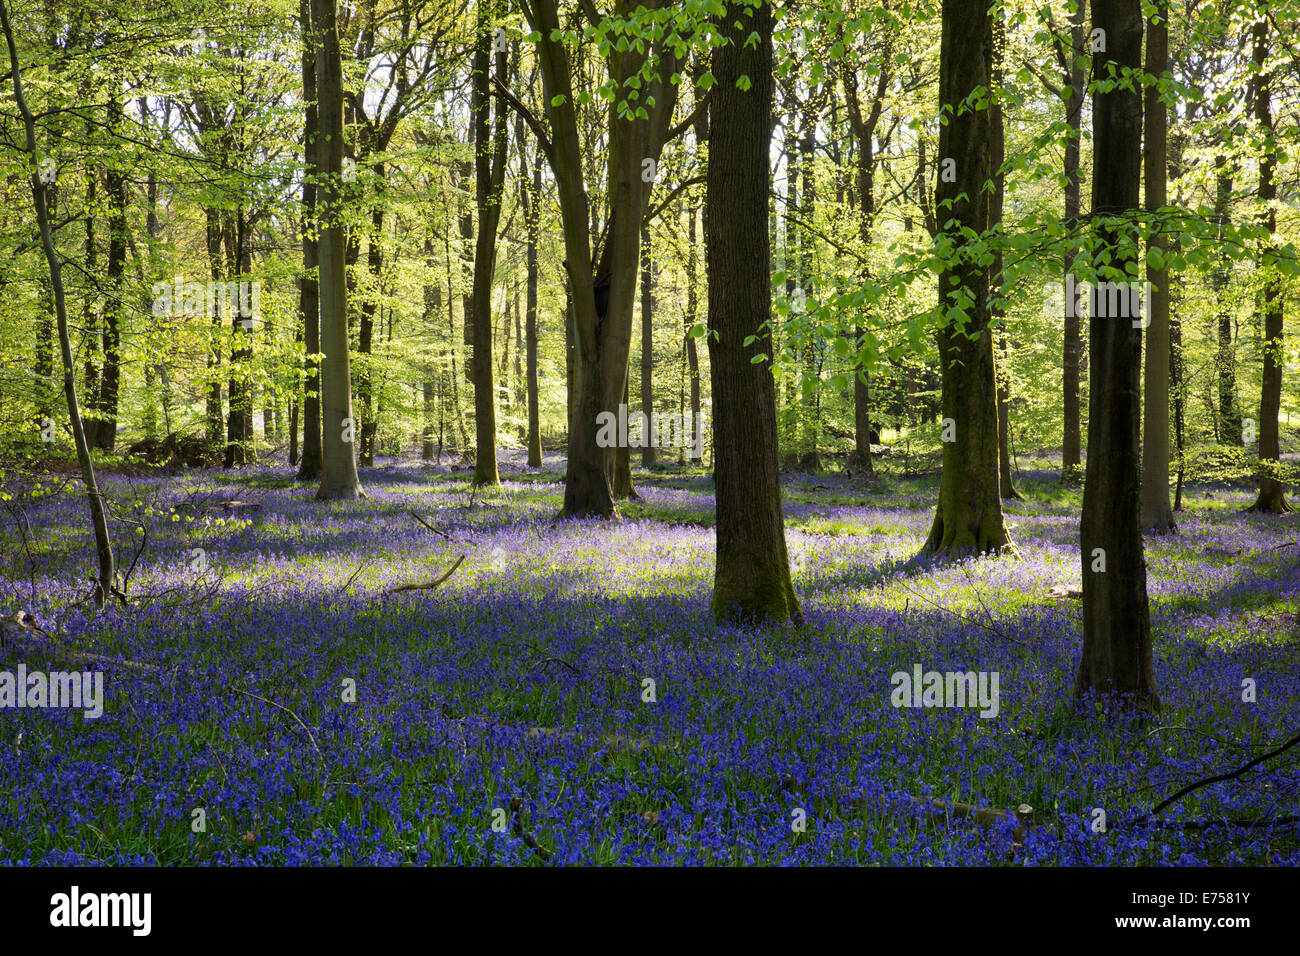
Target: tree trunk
[
  {"x": 1071, "y": 448},
  {"x": 239, "y": 425},
  {"x": 489, "y": 176},
  {"x": 338, "y": 461},
  {"x": 531, "y": 198},
  {"x": 968, "y": 518},
  {"x": 692, "y": 311},
  {"x": 1229, "y": 417},
  {"x": 366, "y": 329},
  {"x": 216, "y": 424},
  {"x": 997, "y": 154},
  {"x": 809, "y": 458},
  {"x": 648, "y": 453},
  {"x": 1156, "y": 513},
  {"x": 308, "y": 289},
  {"x": 1272, "y": 497},
  {"x": 1116, "y": 658},
  {"x": 752, "y": 577},
  {"x": 110, "y": 380},
  {"x": 103, "y": 543}
]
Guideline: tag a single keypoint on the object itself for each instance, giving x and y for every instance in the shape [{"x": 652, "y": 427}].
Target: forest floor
[{"x": 504, "y": 716}]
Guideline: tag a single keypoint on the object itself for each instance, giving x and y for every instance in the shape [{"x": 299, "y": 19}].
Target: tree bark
[
  {"x": 752, "y": 577},
  {"x": 997, "y": 154},
  {"x": 1116, "y": 658},
  {"x": 1272, "y": 497},
  {"x": 530, "y": 196},
  {"x": 489, "y": 177},
  {"x": 111, "y": 378},
  {"x": 308, "y": 289},
  {"x": 1156, "y": 513},
  {"x": 968, "y": 518},
  {"x": 648, "y": 453},
  {"x": 1229, "y": 416},
  {"x": 338, "y": 462},
  {"x": 1072, "y": 74}
]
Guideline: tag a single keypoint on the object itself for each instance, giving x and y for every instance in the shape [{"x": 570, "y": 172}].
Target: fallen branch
[
  {"x": 546, "y": 660},
  {"x": 20, "y": 628},
  {"x": 1219, "y": 778},
  {"x": 429, "y": 586},
  {"x": 517, "y": 824}
]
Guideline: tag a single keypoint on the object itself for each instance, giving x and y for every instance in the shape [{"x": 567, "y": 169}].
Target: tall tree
[
  {"x": 1228, "y": 423},
  {"x": 1116, "y": 658},
  {"x": 862, "y": 124},
  {"x": 1272, "y": 497},
  {"x": 997, "y": 155},
  {"x": 603, "y": 297},
  {"x": 1157, "y": 515},
  {"x": 338, "y": 462},
  {"x": 530, "y": 191},
  {"x": 1072, "y": 346},
  {"x": 648, "y": 452},
  {"x": 489, "y": 178},
  {"x": 752, "y": 577},
  {"x": 104, "y": 583},
  {"x": 308, "y": 289},
  {"x": 968, "y": 517}
]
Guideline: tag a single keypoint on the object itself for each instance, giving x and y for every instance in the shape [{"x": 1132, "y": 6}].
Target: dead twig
[{"x": 266, "y": 700}]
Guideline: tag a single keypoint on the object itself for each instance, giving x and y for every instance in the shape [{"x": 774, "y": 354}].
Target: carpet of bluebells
[{"x": 501, "y": 717}]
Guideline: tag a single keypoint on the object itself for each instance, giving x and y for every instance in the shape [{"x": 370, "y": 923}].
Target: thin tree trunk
[
  {"x": 111, "y": 378},
  {"x": 1071, "y": 449},
  {"x": 1157, "y": 515},
  {"x": 1229, "y": 417},
  {"x": 308, "y": 289},
  {"x": 648, "y": 453},
  {"x": 366, "y": 329},
  {"x": 997, "y": 154},
  {"x": 103, "y": 543},
  {"x": 531, "y": 198}
]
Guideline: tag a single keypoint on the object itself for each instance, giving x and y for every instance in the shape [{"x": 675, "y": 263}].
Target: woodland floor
[{"x": 517, "y": 684}]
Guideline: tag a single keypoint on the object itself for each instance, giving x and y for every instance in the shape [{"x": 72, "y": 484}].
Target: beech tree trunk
[
  {"x": 752, "y": 577},
  {"x": 1272, "y": 497},
  {"x": 968, "y": 518},
  {"x": 1229, "y": 416},
  {"x": 1157, "y": 514},
  {"x": 649, "y": 452},
  {"x": 338, "y": 426},
  {"x": 308, "y": 291},
  {"x": 1116, "y": 658},
  {"x": 1072, "y": 74},
  {"x": 530, "y": 195},
  {"x": 997, "y": 154},
  {"x": 489, "y": 177},
  {"x": 111, "y": 340}
]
